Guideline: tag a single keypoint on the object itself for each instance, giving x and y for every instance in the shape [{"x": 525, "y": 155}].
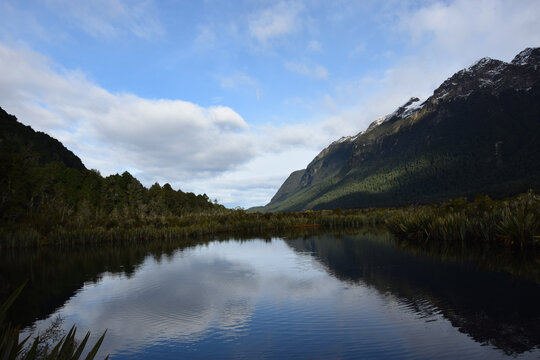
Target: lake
[{"x": 322, "y": 296}]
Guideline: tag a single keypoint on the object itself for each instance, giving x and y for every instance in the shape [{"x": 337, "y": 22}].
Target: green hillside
[{"x": 468, "y": 138}]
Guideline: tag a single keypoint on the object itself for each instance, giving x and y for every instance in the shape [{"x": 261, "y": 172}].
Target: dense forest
[{"x": 44, "y": 184}]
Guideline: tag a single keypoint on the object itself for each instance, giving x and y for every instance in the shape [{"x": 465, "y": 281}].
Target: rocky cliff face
[{"x": 478, "y": 132}]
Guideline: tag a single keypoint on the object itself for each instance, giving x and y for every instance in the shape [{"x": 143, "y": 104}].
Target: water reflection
[
  {"x": 318, "y": 296},
  {"x": 56, "y": 274},
  {"x": 493, "y": 307}
]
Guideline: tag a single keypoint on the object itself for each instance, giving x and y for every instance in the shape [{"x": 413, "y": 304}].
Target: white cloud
[
  {"x": 276, "y": 21},
  {"x": 111, "y": 18},
  {"x": 315, "y": 71},
  {"x": 182, "y": 143},
  {"x": 195, "y": 148},
  {"x": 172, "y": 137},
  {"x": 443, "y": 38}
]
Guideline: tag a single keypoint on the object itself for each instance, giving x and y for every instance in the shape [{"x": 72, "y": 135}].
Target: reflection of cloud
[
  {"x": 187, "y": 299},
  {"x": 255, "y": 299},
  {"x": 214, "y": 287},
  {"x": 235, "y": 316}
]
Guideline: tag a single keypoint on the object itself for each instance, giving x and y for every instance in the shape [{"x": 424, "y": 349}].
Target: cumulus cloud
[
  {"x": 175, "y": 137},
  {"x": 111, "y": 18},
  {"x": 212, "y": 149},
  {"x": 315, "y": 71},
  {"x": 276, "y": 21},
  {"x": 201, "y": 149}
]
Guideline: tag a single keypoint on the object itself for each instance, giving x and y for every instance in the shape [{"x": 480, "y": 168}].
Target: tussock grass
[
  {"x": 512, "y": 222},
  {"x": 195, "y": 225}
]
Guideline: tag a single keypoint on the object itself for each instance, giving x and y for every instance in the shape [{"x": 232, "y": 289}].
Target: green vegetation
[
  {"x": 45, "y": 188},
  {"x": 48, "y": 197},
  {"x": 11, "y": 347},
  {"x": 514, "y": 221},
  {"x": 482, "y": 143},
  {"x": 194, "y": 225}
]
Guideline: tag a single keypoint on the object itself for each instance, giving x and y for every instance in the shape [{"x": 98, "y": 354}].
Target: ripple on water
[{"x": 282, "y": 302}]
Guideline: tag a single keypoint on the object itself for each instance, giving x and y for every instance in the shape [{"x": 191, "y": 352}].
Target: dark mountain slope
[
  {"x": 15, "y": 137},
  {"x": 478, "y": 133}
]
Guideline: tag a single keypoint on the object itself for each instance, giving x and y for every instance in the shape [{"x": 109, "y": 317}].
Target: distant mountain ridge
[{"x": 478, "y": 133}]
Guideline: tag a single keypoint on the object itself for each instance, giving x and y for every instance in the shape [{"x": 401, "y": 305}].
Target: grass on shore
[{"x": 512, "y": 222}]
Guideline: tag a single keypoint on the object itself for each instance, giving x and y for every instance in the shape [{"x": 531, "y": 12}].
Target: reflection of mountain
[
  {"x": 221, "y": 290},
  {"x": 490, "y": 307},
  {"x": 55, "y": 275}
]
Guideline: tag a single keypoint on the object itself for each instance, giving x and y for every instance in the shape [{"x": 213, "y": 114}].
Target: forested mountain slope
[
  {"x": 478, "y": 133},
  {"x": 43, "y": 183}
]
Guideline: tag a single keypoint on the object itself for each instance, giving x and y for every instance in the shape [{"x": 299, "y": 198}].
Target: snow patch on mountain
[
  {"x": 411, "y": 107},
  {"x": 486, "y": 74},
  {"x": 526, "y": 56}
]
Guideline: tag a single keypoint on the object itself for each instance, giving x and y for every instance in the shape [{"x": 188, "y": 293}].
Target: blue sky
[{"x": 228, "y": 97}]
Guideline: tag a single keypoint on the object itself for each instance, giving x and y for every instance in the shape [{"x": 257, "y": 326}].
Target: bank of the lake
[{"x": 512, "y": 222}]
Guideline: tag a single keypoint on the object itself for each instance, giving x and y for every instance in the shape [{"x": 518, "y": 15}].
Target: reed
[
  {"x": 194, "y": 225},
  {"x": 514, "y": 222}
]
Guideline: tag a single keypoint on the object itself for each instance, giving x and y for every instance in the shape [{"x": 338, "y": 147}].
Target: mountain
[
  {"x": 478, "y": 133},
  {"x": 16, "y": 137},
  {"x": 43, "y": 184}
]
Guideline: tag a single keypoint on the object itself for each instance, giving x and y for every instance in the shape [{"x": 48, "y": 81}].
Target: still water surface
[{"x": 323, "y": 296}]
